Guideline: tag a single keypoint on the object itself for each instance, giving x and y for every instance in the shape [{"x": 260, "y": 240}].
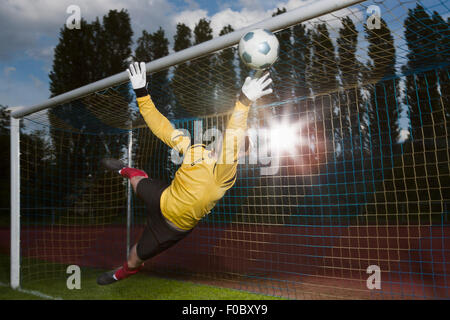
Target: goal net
[{"x": 345, "y": 192}]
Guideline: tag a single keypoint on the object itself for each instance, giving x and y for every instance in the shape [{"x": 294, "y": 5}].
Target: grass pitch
[{"x": 138, "y": 287}]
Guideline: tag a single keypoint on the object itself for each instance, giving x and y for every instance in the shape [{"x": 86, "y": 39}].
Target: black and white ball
[{"x": 259, "y": 49}]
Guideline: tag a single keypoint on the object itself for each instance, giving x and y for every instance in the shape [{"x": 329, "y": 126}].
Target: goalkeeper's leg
[
  {"x": 133, "y": 264},
  {"x": 129, "y": 268},
  {"x": 135, "y": 175},
  {"x": 157, "y": 236}
]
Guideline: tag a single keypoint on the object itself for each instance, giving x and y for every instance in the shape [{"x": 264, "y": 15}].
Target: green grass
[
  {"x": 139, "y": 287},
  {"x": 6, "y": 293}
]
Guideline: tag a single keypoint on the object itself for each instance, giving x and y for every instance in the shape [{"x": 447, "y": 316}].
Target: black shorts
[{"x": 158, "y": 235}]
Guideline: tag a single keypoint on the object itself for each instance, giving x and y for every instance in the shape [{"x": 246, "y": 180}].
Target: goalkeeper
[{"x": 174, "y": 209}]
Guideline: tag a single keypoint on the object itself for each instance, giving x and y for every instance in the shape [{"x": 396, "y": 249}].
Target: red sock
[
  {"x": 129, "y": 173},
  {"x": 125, "y": 271}
]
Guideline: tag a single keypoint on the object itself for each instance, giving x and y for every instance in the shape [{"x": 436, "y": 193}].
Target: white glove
[
  {"x": 137, "y": 75},
  {"x": 254, "y": 88}
]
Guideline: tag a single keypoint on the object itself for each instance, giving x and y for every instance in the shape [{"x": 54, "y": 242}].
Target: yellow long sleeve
[
  {"x": 201, "y": 181},
  {"x": 225, "y": 169},
  {"x": 161, "y": 126}
]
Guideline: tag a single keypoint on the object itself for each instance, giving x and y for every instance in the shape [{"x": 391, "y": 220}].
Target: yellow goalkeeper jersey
[{"x": 202, "y": 180}]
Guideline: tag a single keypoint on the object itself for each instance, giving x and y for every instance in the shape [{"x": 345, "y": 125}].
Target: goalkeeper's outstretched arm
[
  {"x": 225, "y": 169},
  {"x": 158, "y": 124}
]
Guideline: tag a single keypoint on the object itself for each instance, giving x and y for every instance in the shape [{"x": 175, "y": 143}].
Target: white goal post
[
  {"x": 282, "y": 21},
  {"x": 15, "y": 203}
]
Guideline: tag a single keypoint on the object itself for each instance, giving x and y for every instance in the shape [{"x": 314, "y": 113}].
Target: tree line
[{"x": 365, "y": 99}]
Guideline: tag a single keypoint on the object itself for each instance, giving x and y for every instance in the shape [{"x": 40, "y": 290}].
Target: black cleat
[
  {"x": 106, "y": 278},
  {"x": 113, "y": 164}
]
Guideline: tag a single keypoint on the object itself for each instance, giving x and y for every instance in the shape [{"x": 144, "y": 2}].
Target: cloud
[
  {"x": 28, "y": 25},
  {"x": 253, "y": 5},
  {"x": 36, "y": 82},
  {"x": 192, "y": 4},
  {"x": 25, "y": 23},
  {"x": 333, "y": 19},
  {"x": 8, "y": 70},
  {"x": 27, "y": 91},
  {"x": 189, "y": 17},
  {"x": 41, "y": 53},
  {"x": 253, "y": 11},
  {"x": 30, "y": 28},
  {"x": 403, "y": 135},
  {"x": 237, "y": 19}
]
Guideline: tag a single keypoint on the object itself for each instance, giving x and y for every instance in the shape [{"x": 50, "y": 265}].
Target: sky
[{"x": 30, "y": 30}]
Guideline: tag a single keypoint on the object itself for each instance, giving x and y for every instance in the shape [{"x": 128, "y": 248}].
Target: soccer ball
[{"x": 259, "y": 49}]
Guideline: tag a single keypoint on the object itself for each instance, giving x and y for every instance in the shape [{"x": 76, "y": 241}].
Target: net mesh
[{"x": 367, "y": 183}]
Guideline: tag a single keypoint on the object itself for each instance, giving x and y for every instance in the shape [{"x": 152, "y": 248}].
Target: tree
[
  {"x": 225, "y": 77},
  {"x": 384, "y": 93},
  {"x": 36, "y": 152},
  {"x": 92, "y": 52},
  {"x": 143, "y": 51},
  {"x": 181, "y": 83},
  {"x": 347, "y": 46},
  {"x": 282, "y": 69},
  {"x": 81, "y": 57},
  {"x": 322, "y": 75},
  {"x": 427, "y": 94},
  {"x": 351, "y": 103},
  {"x": 422, "y": 95},
  {"x": 442, "y": 38},
  {"x": 202, "y": 68},
  {"x": 5, "y": 164},
  {"x": 301, "y": 57},
  {"x": 323, "y": 69},
  {"x": 117, "y": 38},
  {"x": 383, "y": 116},
  {"x": 4, "y": 121},
  {"x": 152, "y": 47},
  {"x": 73, "y": 59}
]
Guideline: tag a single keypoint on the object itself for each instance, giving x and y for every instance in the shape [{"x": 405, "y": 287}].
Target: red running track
[{"x": 297, "y": 262}]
